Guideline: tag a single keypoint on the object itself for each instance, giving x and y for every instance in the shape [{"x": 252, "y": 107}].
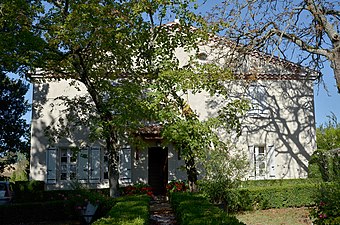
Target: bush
[
  {"x": 132, "y": 210},
  {"x": 327, "y": 208},
  {"x": 195, "y": 209},
  {"x": 55, "y": 205},
  {"x": 28, "y": 191},
  {"x": 177, "y": 186},
  {"x": 325, "y": 165},
  {"x": 278, "y": 182},
  {"x": 270, "y": 197},
  {"x": 136, "y": 189},
  {"x": 34, "y": 212},
  {"x": 262, "y": 194}
]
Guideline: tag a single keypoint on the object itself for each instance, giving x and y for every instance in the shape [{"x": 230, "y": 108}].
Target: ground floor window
[
  {"x": 69, "y": 163},
  {"x": 86, "y": 165},
  {"x": 262, "y": 161}
]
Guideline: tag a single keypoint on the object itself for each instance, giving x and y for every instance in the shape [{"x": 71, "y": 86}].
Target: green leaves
[
  {"x": 328, "y": 135},
  {"x": 14, "y": 130}
]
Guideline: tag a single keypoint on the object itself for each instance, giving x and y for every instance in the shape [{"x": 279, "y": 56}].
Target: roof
[{"x": 150, "y": 132}]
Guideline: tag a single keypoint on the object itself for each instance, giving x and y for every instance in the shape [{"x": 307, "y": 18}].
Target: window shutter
[
  {"x": 51, "y": 159},
  {"x": 95, "y": 165},
  {"x": 251, "y": 161},
  {"x": 271, "y": 161},
  {"x": 83, "y": 165},
  {"x": 125, "y": 166}
]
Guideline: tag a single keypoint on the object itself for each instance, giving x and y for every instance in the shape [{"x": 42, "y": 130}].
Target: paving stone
[{"x": 161, "y": 212}]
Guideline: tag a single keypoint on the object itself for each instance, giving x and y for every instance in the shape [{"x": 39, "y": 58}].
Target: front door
[{"x": 158, "y": 169}]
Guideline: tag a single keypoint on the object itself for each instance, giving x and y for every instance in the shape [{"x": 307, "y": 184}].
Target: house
[{"x": 278, "y": 133}]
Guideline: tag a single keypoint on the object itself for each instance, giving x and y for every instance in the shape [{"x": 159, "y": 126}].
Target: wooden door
[{"x": 158, "y": 169}]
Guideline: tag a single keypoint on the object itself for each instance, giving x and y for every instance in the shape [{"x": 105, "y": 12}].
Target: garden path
[{"x": 161, "y": 212}]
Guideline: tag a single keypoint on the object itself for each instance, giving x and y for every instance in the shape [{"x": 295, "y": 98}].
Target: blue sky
[{"x": 326, "y": 102}]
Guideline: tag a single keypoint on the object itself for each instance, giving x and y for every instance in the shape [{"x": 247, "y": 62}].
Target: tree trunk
[
  {"x": 335, "y": 64},
  {"x": 192, "y": 173},
  {"x": 113, "y": 151}
]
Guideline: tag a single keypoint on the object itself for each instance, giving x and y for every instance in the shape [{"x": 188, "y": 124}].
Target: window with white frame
[
  {"x": 84, "y": 165},
  {"x": 68, "y": 164},
  {"x": 258, "y": 100},
  {"x": 262, "y": 161}
]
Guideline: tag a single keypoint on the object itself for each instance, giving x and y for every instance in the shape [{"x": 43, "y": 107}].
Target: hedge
[
  {"x": 195, "y": 209},
  {"x": 279, "y": 182},
  {"x": 35, "y": 212},
  {"x": 270, "y": 197},
  {"x": 129, "y": 210}
]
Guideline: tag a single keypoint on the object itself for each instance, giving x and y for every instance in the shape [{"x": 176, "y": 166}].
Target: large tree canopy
[
  {"x": 304, "y": 31},
  {"x": 122, "y": 52},
  {"x": 21, "y": 46},
  {"x": 14, "y": 129},
  {"x": 115, "y": 49}
]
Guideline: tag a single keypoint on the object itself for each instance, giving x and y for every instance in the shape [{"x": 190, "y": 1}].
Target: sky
[{"x": 326, "y": 101}]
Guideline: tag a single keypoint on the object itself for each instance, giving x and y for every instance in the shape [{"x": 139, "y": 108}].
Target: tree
[
  {"x": 14, "y": 129},
  {"x": 325, "y": 161},
  {"x": 328, "y": 135},
  {"x": 21, "y": 46},
  {"x": 306, "y": 31},
  {"x": 197, "y": 140},
  {"x": 115, "y": 49}
]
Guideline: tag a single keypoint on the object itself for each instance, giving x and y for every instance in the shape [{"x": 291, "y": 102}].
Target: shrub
[
  {"x": 270, "y": 197},
  {"x": 55, "y": 205},
  {"x": 132, "y": 210},
  {"x": 34, "y": 212},
  {"x": 176, "y": 186},
  {"x": 279, "y": 182},
  {"x": 195, "y": 209},
  {"x": 137, "y": 189},
  {"x": 327, "y": 207},
  {"x": 28, "y": 191},
  {"x": 325, "y": 165}
]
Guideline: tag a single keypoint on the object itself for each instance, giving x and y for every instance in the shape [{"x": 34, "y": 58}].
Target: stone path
[{"x": 161, "y": 212}]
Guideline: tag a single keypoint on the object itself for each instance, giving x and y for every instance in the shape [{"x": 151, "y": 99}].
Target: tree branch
[
  {"x": 302, "y": 44},
  {"x": 319, "y": 15}
]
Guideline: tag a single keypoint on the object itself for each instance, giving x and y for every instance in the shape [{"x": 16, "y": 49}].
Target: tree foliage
[
  {"x": 123, "y": 53},
  {"x": 21, "y": 46},
  {"x": 14, "y": 129},
  {"x": 305, "y": 31},
  {"x": 325, "y": 161},
  {"x": 328, "y": 134},
  {"x": 115, "y": 49},
  {"x": 198, "y": 140}
]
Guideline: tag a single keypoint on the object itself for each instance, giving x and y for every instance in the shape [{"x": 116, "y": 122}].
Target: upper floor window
[{"x": 258, "y": 100}]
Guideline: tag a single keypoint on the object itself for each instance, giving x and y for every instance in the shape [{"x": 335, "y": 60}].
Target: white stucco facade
[{"x": 278, "y": 133}]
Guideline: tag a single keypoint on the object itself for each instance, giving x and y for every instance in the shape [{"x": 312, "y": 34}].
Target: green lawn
[{"x": 288, "y": 216}]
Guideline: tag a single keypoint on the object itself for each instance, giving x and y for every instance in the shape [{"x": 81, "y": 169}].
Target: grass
[{"x": 285, "y": 216}]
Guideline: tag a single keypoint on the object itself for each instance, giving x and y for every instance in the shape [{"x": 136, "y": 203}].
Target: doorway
[{"x": 158, "y": 169}]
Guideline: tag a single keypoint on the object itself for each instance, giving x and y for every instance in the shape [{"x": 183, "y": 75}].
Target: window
[
  {"x": 202, "y": 56},
  {"x": 84, "y": 165},
  {"x": 258, "y": 99},
  {"x": 262, "y": 161},
  {"x": 106, "y": 166},
  {"x": 259, "y": 161},
  {"x": 68, "y": 164}
]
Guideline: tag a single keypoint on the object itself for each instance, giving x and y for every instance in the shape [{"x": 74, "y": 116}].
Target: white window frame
[
  {"x": 258, "y": 97},
  {"x": 68, "y": 167},
  {"x": 262, "y": 162}
]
